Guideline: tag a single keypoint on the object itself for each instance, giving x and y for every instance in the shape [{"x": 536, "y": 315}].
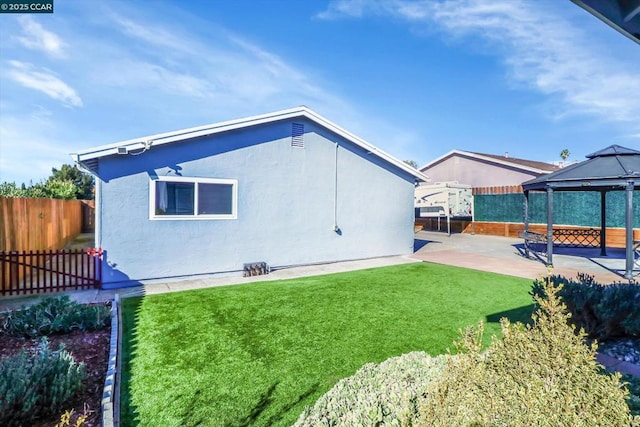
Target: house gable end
[{"x": 140, "y": 145}]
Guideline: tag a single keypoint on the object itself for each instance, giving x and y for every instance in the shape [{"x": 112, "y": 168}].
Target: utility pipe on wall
[{"x": 336, "y": 228}]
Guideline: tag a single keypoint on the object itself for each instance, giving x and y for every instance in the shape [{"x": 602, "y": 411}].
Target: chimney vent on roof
[{"x": 506, "y": 154}]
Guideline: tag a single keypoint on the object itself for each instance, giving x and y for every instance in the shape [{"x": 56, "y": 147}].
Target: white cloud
[
  {"x": 153, "y": 34},
  {"x": 142, "y": 74},
  {"x": 148, "y": 73},
  {"x": 341, "y": 8},
  {"x": 43, "y": 80},
  {"x": 216, "y": 67},
  {"x": 28, "y": 145},
  {"x": 37, "y": 38},
  {"x": 541, "y": 49}
]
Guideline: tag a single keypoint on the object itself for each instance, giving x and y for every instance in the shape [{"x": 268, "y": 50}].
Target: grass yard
[{"x": 257, "y": 354}]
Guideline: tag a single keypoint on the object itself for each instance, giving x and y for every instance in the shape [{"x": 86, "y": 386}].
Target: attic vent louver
[{"x": 297, "y": 135}]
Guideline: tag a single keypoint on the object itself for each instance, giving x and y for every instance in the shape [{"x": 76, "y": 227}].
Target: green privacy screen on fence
[{"x": 569, "y": 208}]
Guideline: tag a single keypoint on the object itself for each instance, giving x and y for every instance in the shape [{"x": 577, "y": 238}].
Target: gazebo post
[
  {"x": 526, "y": 223},
  {"x": 549, "y": 226},
  {"x": 629, "y": 229},
  {"x": 603, "y": 223}
]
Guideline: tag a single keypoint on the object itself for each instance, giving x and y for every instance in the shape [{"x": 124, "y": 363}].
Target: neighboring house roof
[
  {"x": 84, "y": 157},
  {"x": 522, "y": 164}
]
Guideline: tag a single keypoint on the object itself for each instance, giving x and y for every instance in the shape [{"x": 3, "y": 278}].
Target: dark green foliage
[
  {"x": 82, "y": 182},
  {"x": 411, "y": 163},
  {"x": 539, "y": 375},
  {"x": 68, "y": 182},
  {"x": 604, "y": 311},
  {"x": 633, "y": 400},
  {"x": 52, "y": 189},
  {"x": 54, "y": 315},
  {"x": 38, "y": 384}
]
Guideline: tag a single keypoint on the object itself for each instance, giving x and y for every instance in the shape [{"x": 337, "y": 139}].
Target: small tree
[
  {"x": 68, "y": 182},
  {"x": 82, "y": 182},
  {"x": 59, "y": 189},
  {"x": 564, "y": 154},
  {"x": 52, "y": 189},
  {"x": 411, "y": 163}
]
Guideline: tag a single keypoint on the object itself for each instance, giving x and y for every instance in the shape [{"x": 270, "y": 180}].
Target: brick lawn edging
[{"x": 110, "y": 396}]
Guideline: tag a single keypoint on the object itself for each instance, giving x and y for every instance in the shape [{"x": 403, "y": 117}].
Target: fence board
[
  {"x": 507, "y": 189},
  {"x": 37, "y": 224},
  {"x": 29, "y": 272}
]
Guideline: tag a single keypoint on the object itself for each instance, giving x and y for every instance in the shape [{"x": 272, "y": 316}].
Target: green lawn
[{"x": 256, "y": 354}]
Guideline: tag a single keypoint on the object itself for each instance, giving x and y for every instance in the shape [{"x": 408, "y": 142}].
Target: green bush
[
  {"x": 604, "y": 311},
  {"x": 384, "y": 394},
  {"x": 38, "y": 384},
  {"x": 633, "y": 400},
  {"x": 55, "y": 315},
  {"x": 539, "y": 375}
]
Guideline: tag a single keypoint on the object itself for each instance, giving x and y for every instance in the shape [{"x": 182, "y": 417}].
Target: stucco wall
[
  {"x": 286, "y": 205},
  {"x": 475, "y": 172}
]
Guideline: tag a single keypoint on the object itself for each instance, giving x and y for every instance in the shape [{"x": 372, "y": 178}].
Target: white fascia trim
[
  {"x": 487, "y": 159},
  {"x": 444, "y": 156},
  {"x": 195, "y": 132},
  {"x": 364, "y": 144}
]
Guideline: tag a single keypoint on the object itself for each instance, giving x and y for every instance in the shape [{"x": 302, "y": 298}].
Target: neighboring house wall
[
  {"x": 288, "y": 204},
  {"x": 476, "y": 172}
]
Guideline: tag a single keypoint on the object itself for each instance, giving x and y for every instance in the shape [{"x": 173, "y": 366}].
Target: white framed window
[{"x": 177, "y": 197}]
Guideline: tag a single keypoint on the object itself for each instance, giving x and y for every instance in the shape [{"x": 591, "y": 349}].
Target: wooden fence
[
  {"x": 506, "y": 189},
  {"x": 39, "y": 224}
]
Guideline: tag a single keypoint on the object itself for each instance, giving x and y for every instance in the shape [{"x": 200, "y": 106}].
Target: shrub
[
  {"x": 604, "y": 311},
  {"x": 38, "y": 384},
  {"x": 633, "y": 400},
  {"x": 384, "y": 394},
  {"x": 542, "y": 374},
  {"x": 55, "y": 315}
]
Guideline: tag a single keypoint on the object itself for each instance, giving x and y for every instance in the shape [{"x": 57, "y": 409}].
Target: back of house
[{"x": 285, "y": 188}]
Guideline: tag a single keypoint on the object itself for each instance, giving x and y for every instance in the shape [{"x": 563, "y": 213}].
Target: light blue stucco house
[{"x": 285, "y": 188}]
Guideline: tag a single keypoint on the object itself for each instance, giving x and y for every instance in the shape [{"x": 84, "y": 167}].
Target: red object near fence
[{"x": 34, "y": 272}]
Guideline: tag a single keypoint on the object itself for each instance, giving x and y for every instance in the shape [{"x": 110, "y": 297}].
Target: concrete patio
[{"x": 505, "y": 255}]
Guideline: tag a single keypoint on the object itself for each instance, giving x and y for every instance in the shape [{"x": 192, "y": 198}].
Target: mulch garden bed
[{"x": 90, "y": 348}]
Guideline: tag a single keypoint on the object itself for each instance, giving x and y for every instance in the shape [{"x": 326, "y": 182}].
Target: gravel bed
[{"x": 627, "y": 350}]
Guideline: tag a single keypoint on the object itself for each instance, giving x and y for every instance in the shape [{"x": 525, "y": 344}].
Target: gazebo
[{"x": 614, "y": 168}]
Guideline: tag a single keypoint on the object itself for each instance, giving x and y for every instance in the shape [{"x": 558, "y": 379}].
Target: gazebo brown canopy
[{"x": 614, "y": 168}]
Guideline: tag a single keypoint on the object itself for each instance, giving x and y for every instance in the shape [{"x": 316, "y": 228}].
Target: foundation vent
[{"x": 255, "y": 269}]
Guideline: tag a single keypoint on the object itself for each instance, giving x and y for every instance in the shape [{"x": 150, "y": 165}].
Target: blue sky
[{"x": 415, "y": 78}]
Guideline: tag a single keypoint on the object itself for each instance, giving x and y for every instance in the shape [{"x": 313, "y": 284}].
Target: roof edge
[
  {"x": 478, "y": 156},
  {"x": 147, "y": 142}
]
